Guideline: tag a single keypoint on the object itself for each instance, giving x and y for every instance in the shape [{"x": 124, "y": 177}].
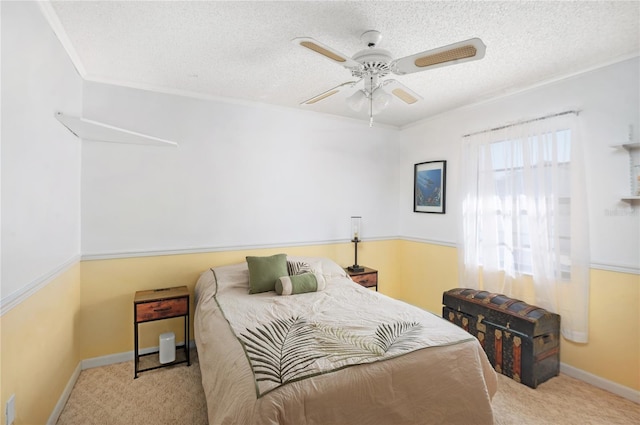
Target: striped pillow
[{"x": 298, "y": 267}]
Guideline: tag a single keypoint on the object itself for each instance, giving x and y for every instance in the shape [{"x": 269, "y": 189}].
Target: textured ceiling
[{"x": 242, "y": 50}]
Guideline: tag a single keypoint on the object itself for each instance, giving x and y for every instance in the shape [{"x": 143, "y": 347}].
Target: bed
[{"x": 340, "y": 355}]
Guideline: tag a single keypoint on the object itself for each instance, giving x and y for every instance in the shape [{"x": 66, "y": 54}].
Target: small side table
[
  {"x": 367, "y": 278},
  {"x": 159, "y": 304}
]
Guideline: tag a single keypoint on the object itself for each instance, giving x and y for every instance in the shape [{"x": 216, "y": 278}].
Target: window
[
  {"x": 524, "y": 230},
  {"x": 516, "y": 204}
]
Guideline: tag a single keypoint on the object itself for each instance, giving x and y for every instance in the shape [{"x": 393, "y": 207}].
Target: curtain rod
[{"x": 523, "y": 122}]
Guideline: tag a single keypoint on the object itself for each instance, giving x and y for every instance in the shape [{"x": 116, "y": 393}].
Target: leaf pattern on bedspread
[
  {"x": 398, "y": 336},
  {"x": 280, "y": 351},
  {"x": 289, "y": 349},
  {"x": 338, "y": 344}
]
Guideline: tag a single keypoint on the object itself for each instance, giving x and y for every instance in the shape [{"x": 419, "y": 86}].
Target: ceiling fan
[{"x": 372, "y": 64}]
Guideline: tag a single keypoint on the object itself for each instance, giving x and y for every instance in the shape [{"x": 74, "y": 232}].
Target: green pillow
[
  {"x": 299, "y": 284},
  {"x": 263, "y": 272}
]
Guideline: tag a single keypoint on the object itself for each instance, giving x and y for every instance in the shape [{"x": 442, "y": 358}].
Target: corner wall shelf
[
  {"x": 633, "y": 150},
  {"x": 630, "y": 198},
  {"x": 629, "y": 146},
  {"x": 100, "y": 132}
]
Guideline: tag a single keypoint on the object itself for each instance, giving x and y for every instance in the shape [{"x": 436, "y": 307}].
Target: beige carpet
[{"x": 109, "y": 395}]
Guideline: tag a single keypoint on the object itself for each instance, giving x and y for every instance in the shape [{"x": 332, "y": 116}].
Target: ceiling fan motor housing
[{"x": 374, "y": 61}]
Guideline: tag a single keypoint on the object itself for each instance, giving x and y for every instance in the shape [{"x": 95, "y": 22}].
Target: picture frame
[{"x": 429, "y": 187}]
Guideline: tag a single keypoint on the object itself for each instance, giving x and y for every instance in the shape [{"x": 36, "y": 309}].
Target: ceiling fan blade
[
  {"x": 327, "y": 52},
  {"x": 328, "y": 93},
  {"x": 402, "y": 92},
  {"x": 463, "y": 51}
]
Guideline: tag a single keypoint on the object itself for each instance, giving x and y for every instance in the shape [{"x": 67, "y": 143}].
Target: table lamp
[{"x": 356, "y": 222}]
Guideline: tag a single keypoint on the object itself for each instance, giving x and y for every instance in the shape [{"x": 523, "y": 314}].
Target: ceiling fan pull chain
[
  {"x": 371, "y": 101},
  {"x": 370, "y": 111}
]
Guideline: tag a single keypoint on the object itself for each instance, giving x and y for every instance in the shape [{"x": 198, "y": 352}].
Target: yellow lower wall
[
  {"x": 87, "y": 312},
  {"x": 41, "y": 348},
  {"x": 426, "y": 271},
  {"x": 108, "y": 288},
  {"x": 415, "y": 272},
  {"x": 613, "y": 350}
]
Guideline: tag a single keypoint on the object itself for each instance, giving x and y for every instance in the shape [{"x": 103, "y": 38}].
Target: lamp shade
[
  {"x": 380, "y": 99},
  {"x": 356, "y": 234},
  {"x": 356, "y": 100},
  {"x": 356, "y": 227}
]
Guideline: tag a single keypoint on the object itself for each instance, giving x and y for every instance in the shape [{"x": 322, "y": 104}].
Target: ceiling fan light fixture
[
  {"x": 380, "y": 100},
  {"x": 356, "y": 100}
]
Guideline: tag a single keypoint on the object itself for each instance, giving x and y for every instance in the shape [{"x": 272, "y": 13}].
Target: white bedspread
[{"x": 419, "y": 368}]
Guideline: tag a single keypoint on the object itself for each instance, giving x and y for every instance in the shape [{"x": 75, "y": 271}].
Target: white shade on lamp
[
  {"x": 375, "y": 102},
  {"x": 380, "y": 100},
  {"x": 356, "y": 234},
  {"x": 356, "y": 224},
  {"x": 356, "y": 100}
]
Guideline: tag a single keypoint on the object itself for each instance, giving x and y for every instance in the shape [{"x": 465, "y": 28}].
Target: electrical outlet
[{"x": 10, "y": 409}]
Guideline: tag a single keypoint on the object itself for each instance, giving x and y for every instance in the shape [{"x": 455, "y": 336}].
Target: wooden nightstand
[
  {"x": 367, "y": 278},
  {"x": 159, "y": 304}
]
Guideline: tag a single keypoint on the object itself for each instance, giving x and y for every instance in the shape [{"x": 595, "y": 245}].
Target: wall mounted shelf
[
  {"x": 630, "y": 198},
  {"x": 633, "y": 149},
  {"x": 100, "y": 132},
  {"x": 629, "y": 146}
]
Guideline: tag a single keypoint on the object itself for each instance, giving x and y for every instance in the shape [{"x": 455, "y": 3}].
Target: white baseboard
[
  {"x": 122, "y": 357},
  {"x": 605, "y": 384},
  {"x": 62, "y": 401}
]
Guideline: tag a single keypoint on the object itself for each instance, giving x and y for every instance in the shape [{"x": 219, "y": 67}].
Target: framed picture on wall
[{"x": 429, "y": 192}]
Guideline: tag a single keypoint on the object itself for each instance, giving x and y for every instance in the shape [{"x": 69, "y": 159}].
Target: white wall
[
  {"x": 609, "y": 101},
  {"x": 243, "y": 175},
  {"x": 40, "y": 158},
  {"x": 254, "y": 175}
]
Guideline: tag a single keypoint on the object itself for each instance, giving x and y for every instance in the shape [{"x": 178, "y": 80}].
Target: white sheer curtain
[{"x": 524, "y": 228}]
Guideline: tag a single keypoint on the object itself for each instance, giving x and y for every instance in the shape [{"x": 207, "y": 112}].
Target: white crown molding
[
  {"x": 52, "y": 17},
  {"x": 17, "y": 297}
]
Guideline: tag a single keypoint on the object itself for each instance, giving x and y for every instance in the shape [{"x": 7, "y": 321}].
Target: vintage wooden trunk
[{"x": 521, "y": 340}]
